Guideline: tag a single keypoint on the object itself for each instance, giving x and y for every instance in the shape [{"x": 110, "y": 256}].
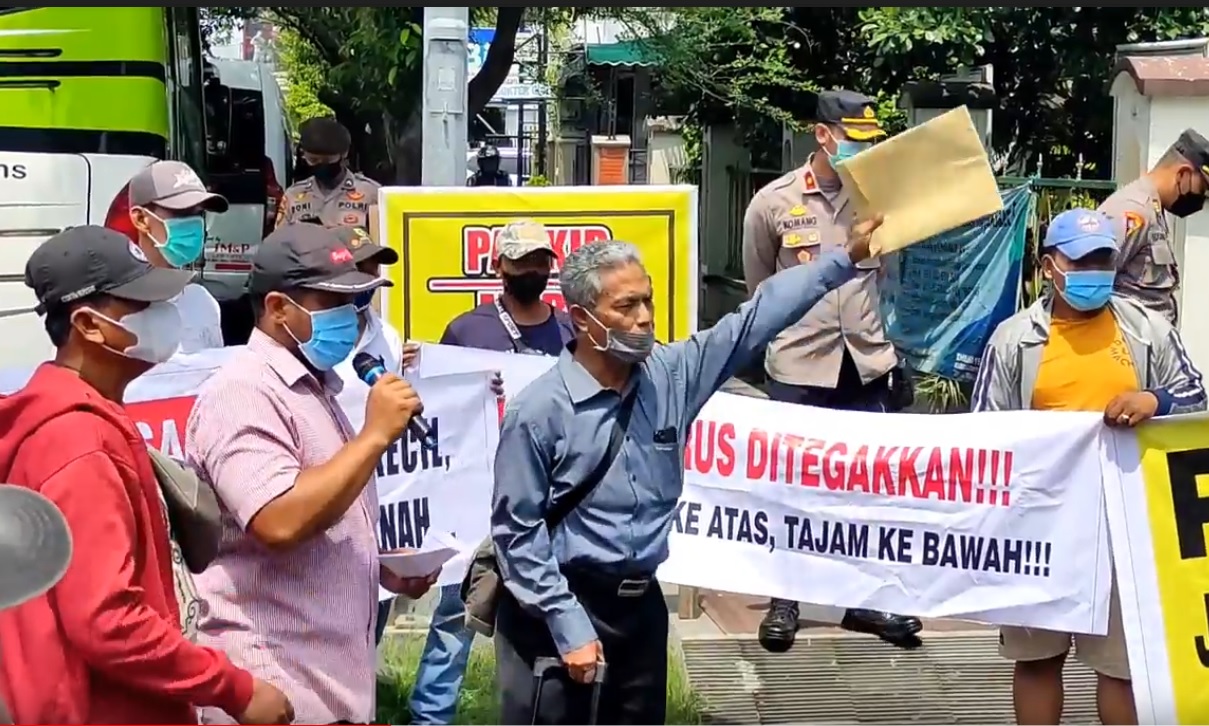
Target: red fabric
[{"x": 105, "y": 644}]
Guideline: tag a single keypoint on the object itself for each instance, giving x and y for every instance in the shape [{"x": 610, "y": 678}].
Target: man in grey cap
[
  {"x": 35, "y": 547},
  {"x": 113, "y": 646},
  {"x": 168, "y": 205},
  {"x": 299, "y": 563}
]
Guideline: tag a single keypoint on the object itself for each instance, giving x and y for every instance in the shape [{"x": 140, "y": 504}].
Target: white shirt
[
  {"x": 201, "y": 319},
  {"x": 378, "y": 339}
]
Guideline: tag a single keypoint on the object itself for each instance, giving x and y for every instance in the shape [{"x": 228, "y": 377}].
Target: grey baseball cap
[
  {"x": 173, "y": 185},
  {"x": 520, "y": 238},
  {"x": 35, "y": 545},
  {"x": 308, "y": 256},
  {"x": 91, "y": 260}
]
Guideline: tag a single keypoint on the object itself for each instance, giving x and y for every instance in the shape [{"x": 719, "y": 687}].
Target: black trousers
[
  {"x": 633, "y": 632},
  {"x": 849, "y": 394}
]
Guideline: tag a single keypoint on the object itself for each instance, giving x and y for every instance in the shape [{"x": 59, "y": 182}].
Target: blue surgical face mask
[
  {"x": 334, "y": 334},
  {"x": 184, "y": 239},
  {"x": 1087, "y": 290},
  {"x": 845, "y": 149},
  {"x": 363, "y": 301}
]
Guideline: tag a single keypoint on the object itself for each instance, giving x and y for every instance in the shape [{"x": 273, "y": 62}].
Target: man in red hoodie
[{"x": 104, "y": 645}]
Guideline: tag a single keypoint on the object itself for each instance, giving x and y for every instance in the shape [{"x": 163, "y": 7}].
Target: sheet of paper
[
  {"x": 927, "y": 180},
  {"x": 438, "y": 548}
]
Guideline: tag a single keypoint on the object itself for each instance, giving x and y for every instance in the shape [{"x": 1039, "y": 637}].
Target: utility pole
[
  {"x": 543, "y": 62},
  {"x": 445, "y": 122}
]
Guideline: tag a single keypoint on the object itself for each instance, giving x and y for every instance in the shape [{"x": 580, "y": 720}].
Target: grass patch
[{"x": 478, "y": 703}]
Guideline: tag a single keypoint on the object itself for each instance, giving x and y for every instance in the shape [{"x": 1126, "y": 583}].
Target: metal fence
[{"x": 742, "y": 185}]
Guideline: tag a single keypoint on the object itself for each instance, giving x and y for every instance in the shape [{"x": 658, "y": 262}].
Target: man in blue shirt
[
  {"x": 520, "y": 322},
  {"x": 584, "y": 591}
]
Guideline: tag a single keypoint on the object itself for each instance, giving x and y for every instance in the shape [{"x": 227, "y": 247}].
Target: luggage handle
[{"x": 542, "y": 666}]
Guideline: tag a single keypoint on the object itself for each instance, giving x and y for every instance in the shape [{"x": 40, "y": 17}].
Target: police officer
[
  {"x": 1146, "y": 268},
  {"x": 837, "y": 356},
  {"x": 489, "y": 174},
  {"x": 332, "y": 195}
]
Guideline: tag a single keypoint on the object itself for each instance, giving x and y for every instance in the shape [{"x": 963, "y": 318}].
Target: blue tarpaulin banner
[{"x": 942, "y": 298}]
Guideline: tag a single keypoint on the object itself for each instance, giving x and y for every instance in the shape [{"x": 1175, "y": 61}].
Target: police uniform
[
  {"x": 838, "y": 355},
  {"x": 1146, "y": 269},
  {"x": 345, "y": 205},
  {"x": 790, "y": 222}
]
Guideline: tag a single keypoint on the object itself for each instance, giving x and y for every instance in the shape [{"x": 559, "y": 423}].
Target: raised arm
[{"x": 705, "y": 361}]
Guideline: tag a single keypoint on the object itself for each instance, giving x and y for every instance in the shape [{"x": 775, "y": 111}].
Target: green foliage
[
  {"x": 304, "y": 78},
  {"x": 1051, "y": 65},
  {"x": 1052, "y": 68},
  {"x": 941, "y": 395},
  {"x": 537, "y": 180},
  {"x": 366, "y": 58},
  {"x": 723, "y": 62}
]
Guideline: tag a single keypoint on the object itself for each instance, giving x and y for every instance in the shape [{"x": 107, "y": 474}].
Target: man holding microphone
[{"x": 292, "y": 594}]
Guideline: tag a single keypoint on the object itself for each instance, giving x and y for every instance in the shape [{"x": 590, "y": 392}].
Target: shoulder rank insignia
[{"x": 1133, "y": 222}]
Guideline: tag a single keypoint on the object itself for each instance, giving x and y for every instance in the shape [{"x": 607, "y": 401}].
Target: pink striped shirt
[{"x": 302, "y": 620}]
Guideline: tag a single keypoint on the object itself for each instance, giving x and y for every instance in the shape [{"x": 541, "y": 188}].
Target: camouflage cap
[{"x": 520, "y": 238}]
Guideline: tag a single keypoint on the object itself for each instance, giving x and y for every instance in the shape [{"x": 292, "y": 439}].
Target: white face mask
[{"x": 157, "y": 328}]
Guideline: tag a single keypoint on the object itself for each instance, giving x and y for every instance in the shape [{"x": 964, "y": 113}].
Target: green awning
[{"x": 623, "y": 53}]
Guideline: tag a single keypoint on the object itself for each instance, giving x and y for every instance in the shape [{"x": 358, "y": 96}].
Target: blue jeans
[
  {"x": 434, "y": 700},
  {"x": 383, "y": 614}
]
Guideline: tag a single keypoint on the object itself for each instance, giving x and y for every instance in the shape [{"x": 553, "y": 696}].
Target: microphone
[{"x": 370, "y": 368}]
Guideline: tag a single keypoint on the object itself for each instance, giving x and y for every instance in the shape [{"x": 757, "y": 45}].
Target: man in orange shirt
[{"x": 1082, "y": 348}]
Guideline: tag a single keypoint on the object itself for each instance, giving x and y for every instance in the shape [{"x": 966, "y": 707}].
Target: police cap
[
  {"x": 856, "y": 113},
  {"x": 323, "y": 136},
  {"x": 1195, "y": 148}
]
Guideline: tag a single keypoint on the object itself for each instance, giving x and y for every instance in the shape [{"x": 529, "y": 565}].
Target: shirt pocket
[{"x": 1159, "y": 270}]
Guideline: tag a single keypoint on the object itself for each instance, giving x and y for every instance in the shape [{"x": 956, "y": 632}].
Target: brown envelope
[{"x": 929, "y": 179}]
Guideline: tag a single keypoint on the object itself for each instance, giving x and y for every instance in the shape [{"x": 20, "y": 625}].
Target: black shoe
[
  {"x": 779, "y": 628},
  {"x": 898, "y": 630}
]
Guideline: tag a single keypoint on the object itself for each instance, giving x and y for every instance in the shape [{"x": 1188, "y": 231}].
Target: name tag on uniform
[{"x": 793, "y": 223}]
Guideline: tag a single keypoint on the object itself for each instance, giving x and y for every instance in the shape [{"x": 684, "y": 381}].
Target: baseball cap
[
  {"x": 35, "y": 545},
  {"x": 855, "y": 112},
  {"x": 358, "y": 241},
  {"x": 84, "y": 261},
  {"x": 173, "y": 185},
  {"x": 521, "y": 238},
  {"x": 1195, "y": 148},
  {"x": 311, "y": 257},
  {"x": 1077, "y": 233}
]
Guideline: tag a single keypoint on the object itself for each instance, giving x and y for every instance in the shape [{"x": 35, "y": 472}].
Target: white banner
[
  {"x": 974, "y": 516},
  {"x": 996, "y": 518}
]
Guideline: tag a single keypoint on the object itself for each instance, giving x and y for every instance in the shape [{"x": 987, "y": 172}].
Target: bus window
[{"x": 185, "y": 66}]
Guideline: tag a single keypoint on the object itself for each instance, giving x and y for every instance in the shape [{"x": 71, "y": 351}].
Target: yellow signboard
[
  {"x": 445, "y": 236},
  {"x": 1159, "y": 517}
]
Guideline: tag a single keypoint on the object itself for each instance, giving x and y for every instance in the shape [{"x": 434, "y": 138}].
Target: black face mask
[
  {"x": 327, "y": 173},
  {"x": 1187, "y": 205},
  {"x": 526, "y": 287}
]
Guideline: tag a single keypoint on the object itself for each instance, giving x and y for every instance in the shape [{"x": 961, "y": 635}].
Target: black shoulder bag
[{"x": 483, "y": 585}]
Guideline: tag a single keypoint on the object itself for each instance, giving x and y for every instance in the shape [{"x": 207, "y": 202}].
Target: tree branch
[{"x": 498, "y": 61}]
